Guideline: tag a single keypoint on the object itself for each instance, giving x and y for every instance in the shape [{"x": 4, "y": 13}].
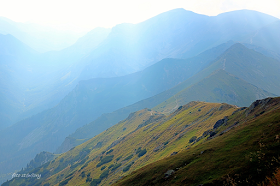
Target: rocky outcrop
[
  {"x": 40, "y": 159},
  {"x": 169, "y": 173},
  {"x": 221, "y": 122},
  {"x": 260, "y": 103}
]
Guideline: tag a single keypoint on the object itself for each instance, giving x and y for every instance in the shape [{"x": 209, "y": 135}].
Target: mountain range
[
  {"x": 128, "y": 48},
  {"x": 212, "y": 84},
  {"x": 199, "y": 143},
  {"x": 174, "y": 34},
  {"x": 57, "y": 100},
  {"x": 38, "y": 37},
  {"x": 40, "y": 80}
]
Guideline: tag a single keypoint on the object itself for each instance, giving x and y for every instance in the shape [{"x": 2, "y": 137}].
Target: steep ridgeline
[
  {"x": 174, "y": 34},
  {"x": 210, "y": 84},
  {"x": 47, "y": 130},
  {"x": 244, "y": 150},
  {"x": 144, "y": 137},
  {"x": 266, "y": 52},
  {"x": 40, "y": 159},
  {"x": 199, "y": 143},
  {"x": 251, "y": 66},
  {"x": 218, "y": 87}
]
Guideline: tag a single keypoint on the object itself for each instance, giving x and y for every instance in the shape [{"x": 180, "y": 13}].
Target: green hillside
[
  {"x": 200, "y": 143},
  {"x": 144, "y": 137},
  {"x": 244, "y": 151},
  {"x": 251, "y": 66},
  {"x": 219, "y": 87}
]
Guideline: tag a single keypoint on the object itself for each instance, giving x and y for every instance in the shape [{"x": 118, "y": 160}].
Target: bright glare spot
[{"x": 84, "y": 15}]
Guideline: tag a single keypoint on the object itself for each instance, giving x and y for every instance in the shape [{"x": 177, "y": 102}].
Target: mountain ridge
[
  {"x": 152, "y": 102},
  {"x": 218, "y": 87},
  {"x": 54, "y": 124},
  {"x": 156, "y": 44},
  {"x": 231, "y": 156},
  {"x": 126, "y": 49},
  {"x": 39, "y": 38},
  {"x": 188, "y": 137}
]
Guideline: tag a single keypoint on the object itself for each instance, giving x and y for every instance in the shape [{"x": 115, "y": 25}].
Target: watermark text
[{"x": 15, "y": 175}]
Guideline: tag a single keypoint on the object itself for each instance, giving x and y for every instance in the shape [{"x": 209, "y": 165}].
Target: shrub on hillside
[{"x": 105, "y": 160}]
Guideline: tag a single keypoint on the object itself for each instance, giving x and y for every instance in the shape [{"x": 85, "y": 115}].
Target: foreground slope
[
  {"x": 144, "y": 137},
  {"x": 244, "y": 151},
  {"x": 200, "y": 143}
]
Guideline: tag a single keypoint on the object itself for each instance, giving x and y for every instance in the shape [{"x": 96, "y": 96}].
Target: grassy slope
[
  {"x": 160, "y": 135},
  {"x": 244, "y": 155},
  {"x": 219, "y": 87},
  {"x": 251, "y": 66}
]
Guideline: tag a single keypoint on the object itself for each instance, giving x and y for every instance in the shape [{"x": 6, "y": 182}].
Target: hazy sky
[{"x": 84, "y": 15}]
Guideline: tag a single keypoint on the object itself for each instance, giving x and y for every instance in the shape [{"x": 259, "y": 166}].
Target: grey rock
[{"x": 169, "y": 173}]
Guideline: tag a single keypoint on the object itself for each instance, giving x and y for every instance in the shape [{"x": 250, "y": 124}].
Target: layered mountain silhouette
[
  {"x": 212, "y": 84},
  {"x": 39, "y": 38},
  {"x": 49, "y": 128},
  {"x": 128, "y": 48},
  {"x": 39, "y": 81},
  {"x": 266, "y": 36},
  {"x": 93, "y": 97},
  {"x": 218, "y": 87},
  {"x": 15, "y": 59},
  {"x": 59, "y": 99},
  {"x": 177, "y": 33}
]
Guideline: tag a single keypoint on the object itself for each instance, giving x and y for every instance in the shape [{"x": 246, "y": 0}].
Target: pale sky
[{"x": 84, "y": 15}]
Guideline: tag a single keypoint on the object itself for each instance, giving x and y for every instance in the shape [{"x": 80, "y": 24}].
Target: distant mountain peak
[
  {"x": 180, "y": 10},
  {"x": 244, "y": 12},
  {"x": 238, "y": 46}
]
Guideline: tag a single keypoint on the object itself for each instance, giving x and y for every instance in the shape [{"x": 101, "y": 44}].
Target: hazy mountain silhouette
[
  {"x": 109, "y": 69},
  {"x": 40, "y": 38}
]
